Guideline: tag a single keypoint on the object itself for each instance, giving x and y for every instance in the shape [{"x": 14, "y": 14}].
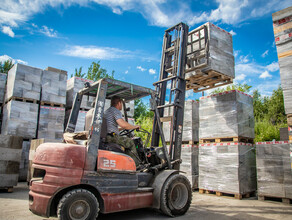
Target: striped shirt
[{"x": 112, "y": 115}]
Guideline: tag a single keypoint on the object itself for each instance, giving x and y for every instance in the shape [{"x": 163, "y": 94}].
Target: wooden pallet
[
  {"x": 203, "y": 81},
  {"x": 226, "y": 139},
  {"x": 52, "y": 104},
  {"x": 22, "y": 100},
  {"x": 275, "y": 199},
  {"x": 231, "y": 195}
]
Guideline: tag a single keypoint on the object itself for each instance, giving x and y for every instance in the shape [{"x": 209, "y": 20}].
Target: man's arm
[{"x": 125, "y": 125}]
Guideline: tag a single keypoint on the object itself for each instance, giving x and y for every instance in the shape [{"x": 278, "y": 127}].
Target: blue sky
[{"x": 126, "y": 35}]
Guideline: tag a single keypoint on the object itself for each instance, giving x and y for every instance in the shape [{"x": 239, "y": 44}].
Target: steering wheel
[{"x": 126, "y": 132}]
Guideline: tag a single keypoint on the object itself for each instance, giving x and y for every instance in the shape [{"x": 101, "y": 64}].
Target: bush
[
  {"x": 145, "y": 123},
  {"x": 266, "y": 131}
]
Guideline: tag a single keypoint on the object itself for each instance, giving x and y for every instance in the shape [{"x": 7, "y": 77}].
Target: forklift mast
[{"x": 171, "y": 86}]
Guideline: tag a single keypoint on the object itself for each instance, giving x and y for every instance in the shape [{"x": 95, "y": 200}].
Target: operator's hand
[{"x": 137, "y": 127}]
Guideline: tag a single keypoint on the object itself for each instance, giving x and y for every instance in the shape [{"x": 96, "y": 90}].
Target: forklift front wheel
[
  {"x": 176, "y": 195},
  {"x": 78, "y": 204}
]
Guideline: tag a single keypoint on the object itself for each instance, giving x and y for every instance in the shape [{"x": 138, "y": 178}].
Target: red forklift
[{"x": 82, "y": 179}]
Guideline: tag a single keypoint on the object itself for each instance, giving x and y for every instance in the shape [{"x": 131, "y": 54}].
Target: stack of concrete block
[
  {"x": 20, "y": 118},
  {"x": 23, "y": 167},
  {"x": 227, "y": 114},
  {"x": 212, "y": 46},
  {"x": 191, "y": 122},
  {"x": 3, "y": 78},
  {"x": 10, "y": 155},
  {"x": 274, "y": 172},
  {"x": 190, "y": 163},
  {"x": 23, "y": 82},
  {"x": 51, "y": 122},
  {"x": 54, "y": 86},
  {"x": 227, "y": 168},
  {"x": 74, "y": 85},
  {"x": 282, "y": 22}
]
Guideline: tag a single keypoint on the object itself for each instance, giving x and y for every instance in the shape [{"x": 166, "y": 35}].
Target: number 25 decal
[{"x": 109, "y": 163}]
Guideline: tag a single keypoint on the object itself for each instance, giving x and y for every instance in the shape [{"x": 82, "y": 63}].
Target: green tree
[
  {"x": 260, "y": 106},
  {"x": 6, "y": 66},
  {"x": 276, "y": 110},
  {"x": 94, "y": 72},
  {"x": 241, "y": 87},
  {"x": 142, "y": 110}
]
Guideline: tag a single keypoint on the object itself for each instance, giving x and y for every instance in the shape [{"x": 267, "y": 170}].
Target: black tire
[
  {"x": 78, "y": 204},
  {"x": 176, "y": 196}
]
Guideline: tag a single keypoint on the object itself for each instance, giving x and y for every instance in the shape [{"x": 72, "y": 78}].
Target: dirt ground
[{"x": 14, "y": 206}]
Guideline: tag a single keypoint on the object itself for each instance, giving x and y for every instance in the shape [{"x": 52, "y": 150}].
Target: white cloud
[
  {"x": 265, "y": 75},
  {"x": 265, "y": 53},
  {"x": 127, "y": 71},
  {"x": 7, "y": 30},
  {"x": 50, "y": 32},
  {"x": 95, "y": 52},
  {"x": 5, "y": 57},
  {"x": 273, "y": 67},
  {"x": 141, "y": 68},
  {"x": 152, "y": 71},
  {"x": 240, "y": 77},
  {"x": 232, "y": 33},
  {"x": 266, "y": 88},
  {"x": 163, "y": 13},
  {"x": 243, "y": 59}
]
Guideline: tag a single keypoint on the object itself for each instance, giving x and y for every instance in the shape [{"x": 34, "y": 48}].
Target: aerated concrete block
[
  {"x": 20, "y": 119},
  {"x": 191, "y": 122},
  {"x": 54, "y": 87},
  {"x": 227, "y": 114},
  {"x": 23, "y": 82},
  {"x": 3, "y": 78},
  {"x": 274, "y": 172},
  {"x": 51, "y": 123},
  {"x": 227, "y": 167},
  {"x": 220, "y": 53}
]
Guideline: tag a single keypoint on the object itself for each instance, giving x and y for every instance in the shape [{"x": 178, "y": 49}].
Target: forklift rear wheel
[
  {"x": 78, "y": 204},
  {"x": 176, "y": 195}
]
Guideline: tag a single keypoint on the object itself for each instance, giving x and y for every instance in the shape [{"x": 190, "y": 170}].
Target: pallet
[
  {"x": 22, "y": 100},
  {"x": 209, "y": 80},
  {"x": 226, "y": 139},
  {"x": 52, "y": 104},
  {"x": 231, "y": 195},
  {"x": 275, "y": 199},
  {"x": 186, "y": 143}
]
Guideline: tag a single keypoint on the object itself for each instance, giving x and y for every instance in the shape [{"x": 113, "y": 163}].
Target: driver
[{"x": 114, "y": 119}]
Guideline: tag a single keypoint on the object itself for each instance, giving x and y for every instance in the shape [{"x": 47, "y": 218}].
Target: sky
[{"x": 126, "y": 35}]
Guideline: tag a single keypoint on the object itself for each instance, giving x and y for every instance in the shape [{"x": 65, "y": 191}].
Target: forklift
[{"x": 81, "y": 179}]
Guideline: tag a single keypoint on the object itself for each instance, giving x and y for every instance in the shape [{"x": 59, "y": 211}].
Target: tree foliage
[
  {"x": 6, "y": 66},
  {"x": 142, "y": 110},
  {"x": 241, "y": 87},
  {"x": 94, "y": 72}
]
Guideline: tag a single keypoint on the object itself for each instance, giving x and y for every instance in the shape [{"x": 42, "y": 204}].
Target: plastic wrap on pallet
[
  {"x": 227, "y": 167},
  {"x": 285, "y": 64},
  {"x": 227, "y": 114},
  {"x": 10, "y": 155},
  {"x": 220, "y": 54},
  {"x": 23, "y": 82},
  {"x": 288, "y": 100},
  {"x": 191, "y": 122},
  {"x": 20, "y": 118},
  {"x": 274, "y": 169},
  {"x": 54, "y": 87},
  {"x": 24, "y": 162},
  {"x": 51, "y": 122},
  {"x": 3, "y": 78}
]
